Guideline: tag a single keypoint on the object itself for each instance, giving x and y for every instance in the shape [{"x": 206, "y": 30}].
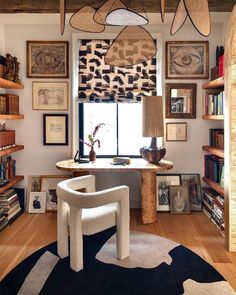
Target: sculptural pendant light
[
  {"x": 116, "y": 13},
  {"x": 162, "y": 8},
  {"x": 83, "y": 20},
  {"x": 179, "y": 18},
  {"x": 197, "y": 11},
  {"x": 62, "y": 15},
  {"x": 102, "y": 12},
  {"x": 132, "y": 46},
  {"x": 125, "y": 17}
]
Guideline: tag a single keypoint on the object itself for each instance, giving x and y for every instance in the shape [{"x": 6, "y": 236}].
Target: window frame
[{"x": 76, "y": 37}]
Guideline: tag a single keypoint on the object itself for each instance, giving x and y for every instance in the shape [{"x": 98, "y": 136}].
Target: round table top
[{"x": 102, "y": 164}]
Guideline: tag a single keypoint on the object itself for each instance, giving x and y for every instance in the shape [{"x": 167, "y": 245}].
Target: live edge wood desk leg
[{"x": 148, "y": 191}]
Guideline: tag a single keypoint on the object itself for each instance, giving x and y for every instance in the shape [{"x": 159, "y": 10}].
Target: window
[{"x": 122, "y": 133}]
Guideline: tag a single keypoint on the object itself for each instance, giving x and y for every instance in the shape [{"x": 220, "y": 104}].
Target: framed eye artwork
[{"x": 187, "y": 60}]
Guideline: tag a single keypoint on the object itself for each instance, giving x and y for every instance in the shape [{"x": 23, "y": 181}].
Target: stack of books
[
  {"x": 213, "y": 207},
  {"x": 10, "y": 203},
  {"x": 3, "y": 219}
]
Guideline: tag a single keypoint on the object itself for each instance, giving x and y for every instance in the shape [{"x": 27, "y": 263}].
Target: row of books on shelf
[
  {"x": 214, "y": 103},
  {"x": 213, "y": 207},
  {"x": 7, "y": 168},
  {"x": 10, "y": 207},
  {"x": 214, "y": 169},
  {"x": 216, "y": 137}
]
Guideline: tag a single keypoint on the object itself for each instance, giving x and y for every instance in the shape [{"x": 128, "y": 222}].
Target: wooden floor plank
[{"x": 31, "y": 232}]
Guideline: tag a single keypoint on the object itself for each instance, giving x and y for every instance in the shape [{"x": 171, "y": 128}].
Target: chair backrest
[{"x": 68, "y": 190}]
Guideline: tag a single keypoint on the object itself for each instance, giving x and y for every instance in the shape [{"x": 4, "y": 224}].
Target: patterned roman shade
[{"x": 99, "y": 82}]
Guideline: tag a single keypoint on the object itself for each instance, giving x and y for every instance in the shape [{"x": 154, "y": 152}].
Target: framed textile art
[
  {"x": 47, "y": 59},
  {"x": 187, "y": 60},
  {"x": 99, "y": 82}
]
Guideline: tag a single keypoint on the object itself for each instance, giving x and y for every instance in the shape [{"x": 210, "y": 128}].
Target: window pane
[
  {"x": 130, "y": 129},
  {"x": 95, "y": 113}
]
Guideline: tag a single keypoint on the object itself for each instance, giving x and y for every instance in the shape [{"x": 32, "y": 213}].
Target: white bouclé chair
[{"x": 90, "y": 212}]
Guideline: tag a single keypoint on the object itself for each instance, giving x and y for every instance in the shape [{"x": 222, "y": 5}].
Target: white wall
[{"x": 37, "y": 159}]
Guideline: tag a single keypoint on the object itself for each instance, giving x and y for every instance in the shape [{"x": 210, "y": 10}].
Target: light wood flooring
[{"x": 33, "y": 231}]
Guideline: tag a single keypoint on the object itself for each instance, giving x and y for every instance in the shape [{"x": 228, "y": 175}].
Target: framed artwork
[
  {"x": 192, "y": 181},
  {"x": 49, "y": 185},
  {"x": 50, "y": 96},
  {"x": 187, "y": 60},
  {"x": 179, "y": 200},
  {"x": 163, "y": 182},
  {"x": 37, "y": 202},
  {"x": 176, "y": 131},
  {"x": 47, "y": 59},
  {"x": 180, "y": 100},
  {"x": 55, "y": 129},
  {"x": 34, "y": 183}
]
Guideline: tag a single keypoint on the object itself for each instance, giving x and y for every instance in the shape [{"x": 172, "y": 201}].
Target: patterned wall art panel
[{"x": 99, "y": 82}]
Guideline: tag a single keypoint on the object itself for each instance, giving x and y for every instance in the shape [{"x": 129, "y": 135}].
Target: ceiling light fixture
[
  {"x": 132, "y": 46},
  {"x": 83, "y": 20},
  {"x": 108, "y": 6},
  {"x": 125, "y": 17},
  {"x": 197, "y": 11},
  {"x": 62, "y": 15}
]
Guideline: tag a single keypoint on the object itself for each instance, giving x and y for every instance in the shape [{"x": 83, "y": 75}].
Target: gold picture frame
[
  {"x": 47, "y": 59},
  {"x": 187, "y": 59},
  {"x": 50, "y": 96}
]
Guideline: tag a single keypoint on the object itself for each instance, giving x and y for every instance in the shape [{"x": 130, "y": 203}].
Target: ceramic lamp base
[{"x": 153, "y": 154}]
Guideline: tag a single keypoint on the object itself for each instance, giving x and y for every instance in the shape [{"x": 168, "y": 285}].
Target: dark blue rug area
[{"x": 102, "y": 278}]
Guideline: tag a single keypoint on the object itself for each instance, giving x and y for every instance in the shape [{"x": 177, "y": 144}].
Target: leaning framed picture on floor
[
  {"x": 179, "y": 200},
  {"x": 37, "y": 202},
  {"x": 49, "y": 185},
  {"x": 163, "y": 182}
]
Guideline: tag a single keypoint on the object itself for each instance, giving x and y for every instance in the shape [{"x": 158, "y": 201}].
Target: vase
[{"x": 92, "y": 155}]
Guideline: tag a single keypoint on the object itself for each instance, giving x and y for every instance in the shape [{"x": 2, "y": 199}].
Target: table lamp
[{"x": 152, "y": 127}]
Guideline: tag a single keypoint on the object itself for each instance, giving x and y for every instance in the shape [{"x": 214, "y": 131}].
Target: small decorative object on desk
[
  {"x": 92, "y": 141},
  {"x": 121, "y": 161}
]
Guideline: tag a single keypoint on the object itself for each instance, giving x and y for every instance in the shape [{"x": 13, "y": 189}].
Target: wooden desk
[{"x": 148, "y": 178}]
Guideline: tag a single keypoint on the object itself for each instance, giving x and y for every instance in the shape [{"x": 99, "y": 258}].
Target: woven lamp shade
[
  {"x": 162, "y": 3},
  {"x": 179, "y": 18},
  {"x": 152, "y": 116},
  {"x": 198, "y": 12},
  {"x": 62, "y": 15},
  {"x": 132, "y": 46},
  {"x": 102, "y": 12},
  {"x": 83, "y": 20}
]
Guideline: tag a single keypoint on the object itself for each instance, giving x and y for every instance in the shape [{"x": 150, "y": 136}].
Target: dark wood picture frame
[
  {"x": 55, "y": 129},
  {"x": 47, "y": 59},
  {"x": 187, "y": 60},
  {"x": 172, "y": 134},
  {"x": 193, "y": 181},
  {"x": 183, "y": 103}
]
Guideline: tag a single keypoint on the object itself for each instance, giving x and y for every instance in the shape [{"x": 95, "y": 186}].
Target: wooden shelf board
[
  {"x": 214, "y": 150},
  {"x": 10, "y": 84},
  {"x": 11, "y": 117},
  {"x": 11, "y": 183},
  {"x": 213, "y": 117},
  {"x": 218, "y": 83},
  {"x": 214, "y": 185},
  {"x": 11, "y": 150}
]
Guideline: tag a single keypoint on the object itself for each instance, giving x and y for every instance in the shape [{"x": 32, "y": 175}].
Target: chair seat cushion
[{"x": 99, "y": 218}]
